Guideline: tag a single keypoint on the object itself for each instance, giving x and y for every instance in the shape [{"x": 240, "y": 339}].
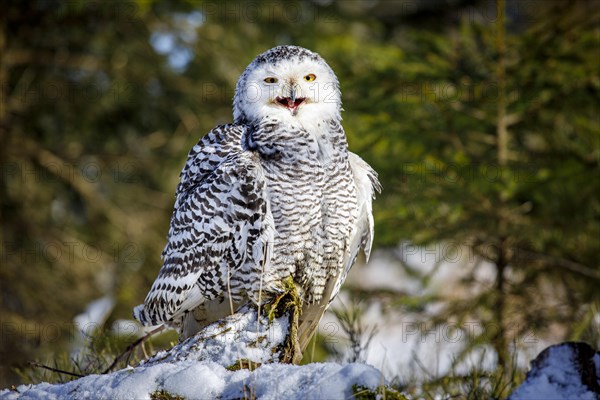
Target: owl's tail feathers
[{"x": 141, "y": 314}]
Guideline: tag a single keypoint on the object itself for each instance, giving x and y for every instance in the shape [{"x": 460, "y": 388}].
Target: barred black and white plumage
[{"x": 274, "y": 195}]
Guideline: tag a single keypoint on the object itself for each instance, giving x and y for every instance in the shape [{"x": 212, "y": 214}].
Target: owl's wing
[
  {"x": 204, "y": 158},
  {"x": 221, "y": 230}
]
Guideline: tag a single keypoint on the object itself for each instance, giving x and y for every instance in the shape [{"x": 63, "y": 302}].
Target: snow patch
[
  {"x": 560, "y": 372},
  {"x": 95, "y": 315},
  {"x": 241, "y": 336},
  {"x": 194, "y": 380}
]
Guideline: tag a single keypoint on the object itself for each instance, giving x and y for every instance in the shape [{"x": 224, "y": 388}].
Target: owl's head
[{"x": 288, "y": 83}]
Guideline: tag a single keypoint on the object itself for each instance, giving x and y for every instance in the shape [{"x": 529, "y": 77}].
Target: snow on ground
[
  {"x": 562, "y": 372},
  {"x": 238, "y": 337},
  {"x": 92, "y": 318},
  {"x": 94, "y": 315},
  {"x": 209, "y": 380}
]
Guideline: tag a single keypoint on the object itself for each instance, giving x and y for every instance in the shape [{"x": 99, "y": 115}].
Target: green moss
[
  {"x": 382, "y": 392},
  {"x": 219, "y": 333},
  {"x": 244, "y": 363},
  {"x": 287, "y": 304},
  {"x": 164, "y": 395}
]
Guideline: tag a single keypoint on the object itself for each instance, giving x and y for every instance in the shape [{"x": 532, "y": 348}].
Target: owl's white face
[{"x": 292, "y": 89}]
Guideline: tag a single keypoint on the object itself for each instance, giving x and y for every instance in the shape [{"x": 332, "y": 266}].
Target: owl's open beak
[{"x": 291, "y": 103}]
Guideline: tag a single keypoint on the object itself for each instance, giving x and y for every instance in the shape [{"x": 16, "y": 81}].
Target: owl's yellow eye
[
  {"x": 271, "y": 79},
  {"x": 310, "y": 77}
]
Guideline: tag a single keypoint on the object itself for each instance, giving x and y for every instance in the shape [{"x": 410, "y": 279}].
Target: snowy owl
[{"x": 273, "y": 196}]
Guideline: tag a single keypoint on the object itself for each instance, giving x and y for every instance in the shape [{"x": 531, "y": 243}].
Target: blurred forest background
[{"x": 481, "y": 117}]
